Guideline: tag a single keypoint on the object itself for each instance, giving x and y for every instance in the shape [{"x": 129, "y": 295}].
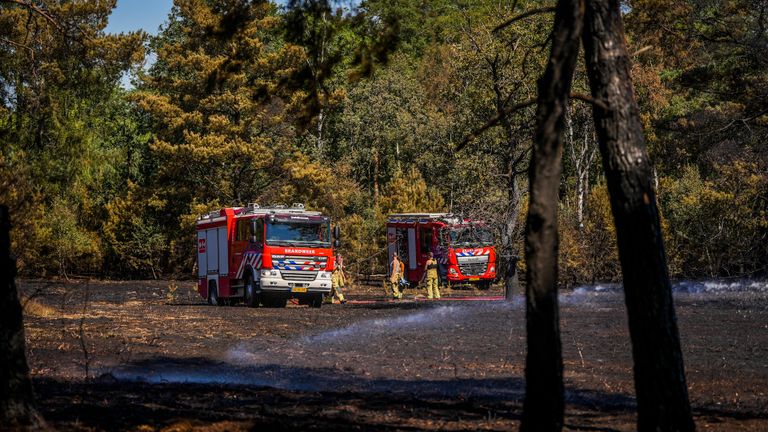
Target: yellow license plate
[
  {"x": 299, "y": 289},
  {"x": 474, "y": 279}
]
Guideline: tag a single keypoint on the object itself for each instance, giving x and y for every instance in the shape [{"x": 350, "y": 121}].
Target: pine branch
[{"x": 36, "y": 9}]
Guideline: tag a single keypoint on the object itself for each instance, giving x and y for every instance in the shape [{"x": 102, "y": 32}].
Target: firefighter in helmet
[
  {"x": 338, "y": 280},
  {"x": 430, "y": 274},
  {"x": 395, "y": 274}
]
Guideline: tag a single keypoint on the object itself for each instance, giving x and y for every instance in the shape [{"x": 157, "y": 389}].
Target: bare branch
[
  {"x": 744, "y": 121},
  {"x": 494, "y": 121},
  {"x": 16, "y": 44},
  {"x": 499, "y": 116},
  {"x": 641, "y": 50},
  {"x": 522, "y": 16},
  {"x": 589, "y": 100}
]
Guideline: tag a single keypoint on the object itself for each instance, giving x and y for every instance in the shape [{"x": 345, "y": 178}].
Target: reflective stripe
[{"x": 250, "y": 259}]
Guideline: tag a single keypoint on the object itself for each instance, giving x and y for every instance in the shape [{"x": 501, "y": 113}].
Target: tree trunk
[
  {"x": 320, "y": 125},
  {"x": 507, "y": 265},
  {"x": 16, "y": 410},
  {"x": 662, "y": 395},
  {"x": 375, "y": 177},
  {"x": 543, "y": 408},
  {"x": 508, "y": 240}
]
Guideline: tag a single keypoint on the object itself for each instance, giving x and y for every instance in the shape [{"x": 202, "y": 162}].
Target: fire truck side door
[
  {"x": 223, "y": 250},
  {"x": 212, "y": 250},
  {"x": 412, "y": 249}
]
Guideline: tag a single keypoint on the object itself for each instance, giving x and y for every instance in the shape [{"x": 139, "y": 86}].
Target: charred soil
[{"x": 152, "y": 356}]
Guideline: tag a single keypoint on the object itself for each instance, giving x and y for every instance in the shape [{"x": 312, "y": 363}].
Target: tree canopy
[{"x": 358, "y": 112}]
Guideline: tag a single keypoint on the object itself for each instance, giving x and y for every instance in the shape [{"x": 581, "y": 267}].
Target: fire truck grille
[
  {"x": 298, "y": 275},
  {"x": 303, "y": 263},
  {"x": 474, "y": 269}
]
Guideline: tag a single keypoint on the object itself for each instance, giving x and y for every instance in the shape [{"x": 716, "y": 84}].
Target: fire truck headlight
[
  {"x": 452, "y": 271},
  {"x": 493, "y": 269},
  {"x": 324, "y": 275},
  {"x": 268, "y": 273}
]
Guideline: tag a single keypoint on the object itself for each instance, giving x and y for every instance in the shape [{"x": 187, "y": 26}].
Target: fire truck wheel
[
  {"x": 274, "y": 301},
  {"x": 213, "y": 294},
  {"x": 250, "y": 295},
  {"x": 484, "y": 285},
  {"x": 316, "y": 301}
]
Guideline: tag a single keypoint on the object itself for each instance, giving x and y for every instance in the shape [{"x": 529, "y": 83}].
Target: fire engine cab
[
  {"x": 463, "y": 248},
  {"x": 264, "y": 256}
]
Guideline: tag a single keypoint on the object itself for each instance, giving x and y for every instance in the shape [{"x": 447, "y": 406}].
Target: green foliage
[
  {"x": 588, "y": 253},
  {"x": 218, "y": 120},
  {"x": 719, "y": 226},
  {"x": 709, "y": 105},
  {"x": 357, "y": 114},
  {"x": 409, "y": 193},
  {"x": 135, "y": 238},
  {"x": 58, "y": 85}
]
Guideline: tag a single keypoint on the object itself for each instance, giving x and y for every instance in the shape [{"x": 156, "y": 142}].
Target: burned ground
[{"x": 157, "y": 357}]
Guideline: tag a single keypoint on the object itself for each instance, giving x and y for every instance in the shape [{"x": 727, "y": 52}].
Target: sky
[{"x": 130, "y": 15}]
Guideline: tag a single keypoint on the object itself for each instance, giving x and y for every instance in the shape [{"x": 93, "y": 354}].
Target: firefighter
[
  {"x": 430, "y": 274},
  {"x": 395, "y": 274},
  {"x": 337, "y": 280}
]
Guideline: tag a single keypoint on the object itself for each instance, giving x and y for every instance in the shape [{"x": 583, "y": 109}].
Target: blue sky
[{"x": 130, "y": 15}]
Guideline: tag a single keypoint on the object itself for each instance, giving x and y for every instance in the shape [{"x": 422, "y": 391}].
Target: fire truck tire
[
  {"x": 213, "y": 294},
  {"x": 274, "y": 301},
  {"x": 251, "y": 292},
  {"x": 316, "y": 301},
  {"x": 484, "y": 285}
]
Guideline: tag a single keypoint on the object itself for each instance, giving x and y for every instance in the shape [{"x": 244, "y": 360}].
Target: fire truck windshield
[
  {"x": 299, "y": 233},
  {"x": 471, "y": 236}
]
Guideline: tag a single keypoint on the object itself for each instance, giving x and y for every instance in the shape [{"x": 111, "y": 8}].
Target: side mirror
[
  {"x": 337, "y": 233},
  {"x": 337, "y": 243}
]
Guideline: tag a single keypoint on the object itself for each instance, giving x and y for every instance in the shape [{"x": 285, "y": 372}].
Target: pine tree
[{"x": 216, "y": 102}]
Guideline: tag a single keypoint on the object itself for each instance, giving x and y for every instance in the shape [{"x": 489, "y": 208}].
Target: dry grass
[{"x": 36, "y": 309}]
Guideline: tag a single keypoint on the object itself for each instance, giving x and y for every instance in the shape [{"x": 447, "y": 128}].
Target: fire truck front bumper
[
  {"x": 471, "y": 273},
  {"x": 275, "y": 281}
]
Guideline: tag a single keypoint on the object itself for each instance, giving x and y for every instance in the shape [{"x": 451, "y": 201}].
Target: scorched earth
[{"x": 153, "y": 356}]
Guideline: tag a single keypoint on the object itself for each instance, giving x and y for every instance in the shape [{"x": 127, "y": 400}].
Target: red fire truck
[
  {"x": 264, "y": 255},
  {"x": 463, "y": 248}
]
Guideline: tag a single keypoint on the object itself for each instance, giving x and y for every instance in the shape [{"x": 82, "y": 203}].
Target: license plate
[
  {"x": 474, "y": 279},
  {"x": 299, "y": 289}
]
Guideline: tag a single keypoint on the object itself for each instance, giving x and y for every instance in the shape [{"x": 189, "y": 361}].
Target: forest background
[{"x": 360, "y": 112}]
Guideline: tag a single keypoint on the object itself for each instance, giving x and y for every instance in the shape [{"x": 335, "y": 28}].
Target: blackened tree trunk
[
  {"x": 662, "y": 394},
  {"x": 543, "y": 408},
  {"x": 16, "y": 411}
]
